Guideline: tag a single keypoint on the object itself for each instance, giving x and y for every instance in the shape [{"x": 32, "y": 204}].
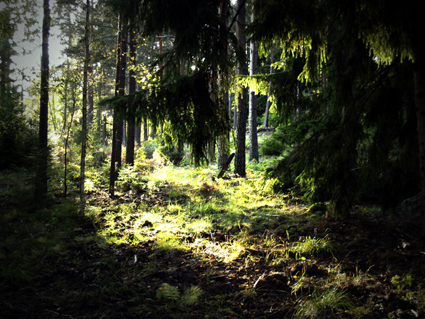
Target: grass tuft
[{"x": 325, "y": 304}]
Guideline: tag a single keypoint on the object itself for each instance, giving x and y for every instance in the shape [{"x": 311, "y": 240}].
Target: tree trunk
[
  {"x": 223, "y": 151},
  {"x": 266, "y": 113},
  {"x": 124, "y": 134},
  {"x": 223, "y": 142},
  {"x": 242, "y": 116},
  {"x": 65, "y": 107},
  {"x": 116, "y": 143},
  {"x": 90, "y": 91},
  {"x": 65, "y": 185},
  {"x": 145, "y": 129},
  {"x": 104, "y": 135},
  {"x": 121, "y": 89},
  {"x": 419, "y": 81},
  {"x": 99, "y": 109},
  {"x": 90, "y": 99},
  {"x": 153, "y": 131},
  {"x": 253, "y": 138},
  {"x": 137, "y": 134},
  {"x": 41, "y": 187},
  {"x": 84, "y": 119},
  {"x": 211, "y": 151}
]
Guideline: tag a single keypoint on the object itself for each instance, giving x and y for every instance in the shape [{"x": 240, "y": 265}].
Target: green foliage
[
  {"x": 271, "y": 185},
  {"x": 189, "y": 297},
  {"x": 352, "y": 120},
  {"x": 276, "y": 144},
  {"x": 17, "y": 135},
  {"x": 167, "y": 291},
  {"x": 148, "y": 148},
  {"x": 128, "y": 178},
  {"x": 15, "y": 273},
  {"x": 402, "y": 282},
  {"x": 186, "y": 101},
  {"x": 174, "y": 156},
  {"x": 354, "y": 147}
]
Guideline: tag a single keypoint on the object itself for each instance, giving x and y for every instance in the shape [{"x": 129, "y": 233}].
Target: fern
[
  {"x": 167, "y": 291},
  {"x": 189, "y": 297}
]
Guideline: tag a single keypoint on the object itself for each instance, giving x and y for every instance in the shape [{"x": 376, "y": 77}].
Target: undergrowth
[{"x": 177, "y": 242}]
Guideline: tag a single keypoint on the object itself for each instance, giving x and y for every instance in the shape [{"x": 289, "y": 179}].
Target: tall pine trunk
[
  {"x": 266, "y": 113},
  {"x": 242, "y": 116},
  {"x": 115, "y": 124},
  {"x": 121, "y": 89},
  {"x": 145, "y": 129},
  {"x": 84, "y": 118},
  {"x": 223, "y": 141},
  {"x": 90, "y": 114},
  {"x": 253, "y": 138},
  {"x": 419, "y": 82},
  {"x": 41, "y": 182},
  {"x": 131, "y": 90},
  {"x": 65, "y": 106},
  {"x": 65, "y": 185}
]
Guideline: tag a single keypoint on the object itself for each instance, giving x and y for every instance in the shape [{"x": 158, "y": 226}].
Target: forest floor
[{"x": 170, "y": 248}]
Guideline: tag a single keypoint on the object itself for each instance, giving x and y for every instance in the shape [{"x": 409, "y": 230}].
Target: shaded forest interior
[{"x": 216, "y": 159}]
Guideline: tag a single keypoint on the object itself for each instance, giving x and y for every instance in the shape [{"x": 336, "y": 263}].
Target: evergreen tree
[
  {"x": 185, "y": 101},
  {"x": 335, "y": 122}
]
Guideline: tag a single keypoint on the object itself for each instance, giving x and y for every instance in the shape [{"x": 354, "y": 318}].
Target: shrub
[
  {"x": 275, "y": 145},
  {"x": 128, "y": 177},
  {"x": 171, "y": 154},
  {"x": 149, "y": 148}
]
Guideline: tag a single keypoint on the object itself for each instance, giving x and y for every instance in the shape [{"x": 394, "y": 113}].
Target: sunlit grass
[
  {"x": 226, "y": 252},
  {"x": 314, "y": 246},
  {"x": 168, "y": 244},
  {"x": 198, "y": 227}
]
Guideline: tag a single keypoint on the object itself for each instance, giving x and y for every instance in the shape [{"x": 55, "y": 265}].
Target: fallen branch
[{"x": 226, "y": 166}]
